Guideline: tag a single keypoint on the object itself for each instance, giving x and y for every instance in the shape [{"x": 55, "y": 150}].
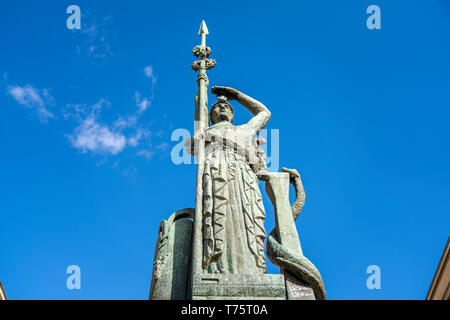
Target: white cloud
[
  {"x": 140, "y": 134},
  {"x": 33, "y": 98},
  {"x": 96, "y": 38},
  {"x": 148, "y": 71},
  {"x": 81, "y": 111},
  {"x": 163, "y": 146},
  {"x": 141, "y": 103},
  {"x": 91, "y": 30},
  {"x": 123, "y": 123},
  {"x": 92, "y": 136},
  {"x": 147, "y": 154},
  {"x": 90, "y": 133}
]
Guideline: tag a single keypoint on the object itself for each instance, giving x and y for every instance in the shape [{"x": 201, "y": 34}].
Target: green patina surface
[{"x": 220, "y": 253}]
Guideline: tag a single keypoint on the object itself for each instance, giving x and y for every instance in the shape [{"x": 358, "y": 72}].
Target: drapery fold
[{"x": 233, "y": 214}]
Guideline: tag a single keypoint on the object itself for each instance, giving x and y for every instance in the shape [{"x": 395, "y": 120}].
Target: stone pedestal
[
  {"x": 239, "y": 287},
  {"x": 250, "y": 287},
  {"x": 297, "y": 289}
]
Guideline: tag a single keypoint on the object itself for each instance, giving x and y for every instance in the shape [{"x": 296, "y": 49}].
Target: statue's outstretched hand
[
  {"x": 293, "y": 174},
  {"x": 229, "y": 93}
]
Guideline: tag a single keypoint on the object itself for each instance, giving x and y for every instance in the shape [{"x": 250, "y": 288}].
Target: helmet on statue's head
[{"x": 218, "y": 109}]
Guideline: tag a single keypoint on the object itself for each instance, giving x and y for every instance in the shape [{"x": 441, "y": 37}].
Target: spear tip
[{"x": 203, "y": 29}]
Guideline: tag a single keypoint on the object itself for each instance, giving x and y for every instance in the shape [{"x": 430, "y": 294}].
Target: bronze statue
[{"x": 216, "y": 251}]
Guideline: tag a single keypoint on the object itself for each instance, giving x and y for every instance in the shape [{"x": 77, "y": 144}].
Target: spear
[{"x": 201, "y": 123}]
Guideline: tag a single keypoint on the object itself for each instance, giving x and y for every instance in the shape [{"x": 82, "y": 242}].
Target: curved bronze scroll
[{"x": 283, "y": 244}]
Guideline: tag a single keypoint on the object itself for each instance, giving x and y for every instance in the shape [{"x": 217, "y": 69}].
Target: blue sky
[{"x": 86, "y": 119}]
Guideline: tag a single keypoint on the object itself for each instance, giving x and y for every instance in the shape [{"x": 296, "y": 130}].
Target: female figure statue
[{"x": 233, "y": 212}]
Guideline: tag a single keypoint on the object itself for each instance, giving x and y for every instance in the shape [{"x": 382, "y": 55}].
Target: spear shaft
[{"x": 201, "y": 123}]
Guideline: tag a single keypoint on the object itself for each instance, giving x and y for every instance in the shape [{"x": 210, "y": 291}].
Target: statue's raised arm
[{"x": 260, "y": 111}]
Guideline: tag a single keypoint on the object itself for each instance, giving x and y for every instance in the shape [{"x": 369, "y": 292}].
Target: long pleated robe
[{"x": 233, "y": 211}]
